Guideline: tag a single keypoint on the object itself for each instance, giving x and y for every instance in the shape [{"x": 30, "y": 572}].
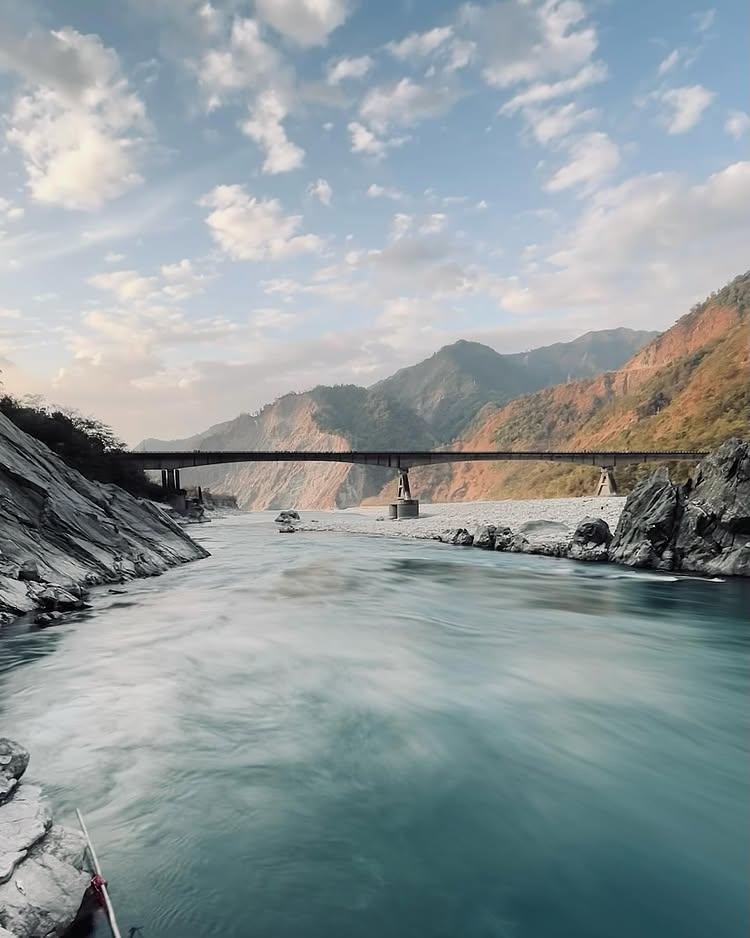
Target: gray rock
[
  {"x": 44, "y": 895},
  {"x": 287, "y": 529},
  {"x": 503, "y": 538},
  {"x": 590, "y": 541},
  {"x": 458, "y": 536},
  {"x": 57, "y": 599},
  {"x": 45, "y": 619},
  {"x": 519, "y": 545},
  {"x": 13, "y": 762},
  {"x": 286, "y": 517},
  {"x": 647, "y": 524},
  {"x": 701, "y": 527},
  {"x": 484, "y": 536},
  {"x": 24, "y": 820},
  {"x": 545, "y": 548},
  {"x": 29, "y": 570}
]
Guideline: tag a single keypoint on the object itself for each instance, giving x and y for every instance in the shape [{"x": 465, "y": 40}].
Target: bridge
[{"x": 170, "y": 462}]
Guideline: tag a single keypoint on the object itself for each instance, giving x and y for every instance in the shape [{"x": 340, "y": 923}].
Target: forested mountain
[
  {"x": 418, "y": 408},
  {"x": 688, "y": 388}
]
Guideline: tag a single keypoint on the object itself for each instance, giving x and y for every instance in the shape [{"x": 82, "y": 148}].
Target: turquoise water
[{"x": 321, "y": 735}]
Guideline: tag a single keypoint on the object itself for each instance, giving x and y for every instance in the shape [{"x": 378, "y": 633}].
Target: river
[{"x": 327, "y": 736}]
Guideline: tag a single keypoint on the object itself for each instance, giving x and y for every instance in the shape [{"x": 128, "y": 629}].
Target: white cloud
[
  {"x": 405, "y": 103},
  {"x": 374, "y": 191},
  {"x": 247, "y": 228},
  {"x": 400, "y": 225},
  {"x": 113, "y": 258},
  {"x": 181, "y": 280},
  {"x": 245, "y": 61},
  {"x": 704, "y": 20},
  {"x": 434, "y": 223},
  {"x": 592, "y": 157},
  {"x": 9, "y": 211},
  {"x": 348, "y": 69},
  {"x": 527, "y": 40},
  {"x": 306, "y": 22},
  {"x": 668, "y": 63},
  {"x": 272, "y": 318},
  {"x": 553, "y": 124},
  {"x": 685, "y": 107},
  {"x": 737, "y": 124},
  {"x": 420, "y": 44},
  {"x": 78, "y": 125},
  {"x": 265, "y": 127},
  {"x": 541, "y": 92},
  {"x": 127, "y": 285},
  {"x": 369, "y": 143},
  {"x": 321, "y": 190}
]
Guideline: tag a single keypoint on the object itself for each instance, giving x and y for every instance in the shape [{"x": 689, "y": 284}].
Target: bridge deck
[{"x": 170, "y": 459}]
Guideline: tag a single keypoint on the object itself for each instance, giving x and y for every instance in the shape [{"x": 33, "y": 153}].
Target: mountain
[
  {"x": 688, "y": 388},
  {"x": 449, "y": 388},
  {"x": 418, "y": 408}
]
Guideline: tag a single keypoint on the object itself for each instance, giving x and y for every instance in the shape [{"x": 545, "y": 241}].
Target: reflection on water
[{"x": 333, "y": 736}]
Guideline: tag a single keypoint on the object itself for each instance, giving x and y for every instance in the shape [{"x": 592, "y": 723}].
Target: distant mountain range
[
  {"x": 618, "y": 388},
  {"x": 420, "y": 407}
]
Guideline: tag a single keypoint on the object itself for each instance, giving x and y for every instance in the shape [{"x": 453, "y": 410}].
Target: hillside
[
  {"x": 448, "y": 389},
  {"x": 689, "y": 387},
  {"x": 418, "y": 408}
]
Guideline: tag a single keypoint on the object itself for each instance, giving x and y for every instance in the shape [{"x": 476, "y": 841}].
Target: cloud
[
  {"x": 737, "y": 124},
  {"x": 553, "y": 124},
  {"x": 265, "y": 127},
  {"x": 704, "y": 20},
  {"x": 9, "y": 211},
  {"x": 181, "y": 280},
  {"x": 405, "y": 103},
  {"x": 528, "y": 40},
  {"x": 244, "y": 61},
  {"x": 685, "y": 107},
  {"x": 369, "y": 143},
  {"x": 668, "y": 63},
  {"x": 77, "y": 125},
  {"x": 126, "y": 285},
  {"x": 420, "y": 44},
  {"x": 321, "y": 190},
  {"x": 113, "y": 258},
  {"x": 592, "y": 157},
  {"x": 374, "y": 191},
  {"x": 541, "y": 92},
  {"x": 305, "y": 22},
  {"x": 346, "y": 69},
  {"x": 247, "y": 228}
]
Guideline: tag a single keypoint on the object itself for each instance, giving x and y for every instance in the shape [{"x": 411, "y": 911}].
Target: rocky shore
[
  {"x": 42, "y": 876},
  {"x": 61, "y": 534},
  {"x": 701, "y": 527}
]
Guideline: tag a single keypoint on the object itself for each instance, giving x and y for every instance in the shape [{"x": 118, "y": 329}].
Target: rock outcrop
[
  {"x": 700, "y": 527},
  {"x": 42, "y": 878},
  {"x": 590, "y": 541},
  {"x": 60, "y": 532}
]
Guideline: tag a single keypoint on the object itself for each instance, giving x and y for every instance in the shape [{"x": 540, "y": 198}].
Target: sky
[{"x": 205, "y": 205}]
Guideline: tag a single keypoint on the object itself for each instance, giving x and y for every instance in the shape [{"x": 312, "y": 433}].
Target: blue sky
[{"x": 203, "y": 206}]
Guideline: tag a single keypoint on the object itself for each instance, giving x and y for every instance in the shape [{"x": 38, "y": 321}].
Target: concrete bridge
[{"x": 170, "y": 462}]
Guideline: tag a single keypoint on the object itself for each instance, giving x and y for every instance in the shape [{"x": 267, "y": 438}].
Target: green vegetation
[{"x": 83, "y": 443}]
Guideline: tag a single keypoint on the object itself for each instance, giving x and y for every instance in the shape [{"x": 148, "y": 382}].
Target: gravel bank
[{"x": 535, "y": 518}]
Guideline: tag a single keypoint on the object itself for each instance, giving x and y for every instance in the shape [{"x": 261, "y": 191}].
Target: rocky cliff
[
  {"x": 59, "y": 532},
  {"x": 688, "y": 388}
]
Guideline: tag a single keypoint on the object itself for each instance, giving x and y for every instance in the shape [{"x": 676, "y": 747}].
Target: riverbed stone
[
  {"x": 24, "y": 820},
  {"x": 287, "y": 529},
  {"x": 590, "y": 541},
  {"x": 57, "y": 599},
  {"x": 286, "y": 517},
  {"x": 457, "y": 536},
  {"x": 503, "y": 538},
  {"x": 13, "y": 762},
  {"x": 484, "y": 536},
  {"x": 519, "y": 544}
]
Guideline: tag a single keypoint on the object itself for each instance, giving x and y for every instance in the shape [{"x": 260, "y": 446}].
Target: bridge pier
[
  {"x": 607, "y": 484},
  {"x": 170, "y": 479},
  {"x": 406, "y": 506}
]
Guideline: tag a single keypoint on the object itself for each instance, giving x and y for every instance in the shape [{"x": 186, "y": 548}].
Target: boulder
[
  {"x": 286, "y": 517},
  {"x": 24, "y": 820},
  {"x": 503, "y": 538},
  {"x": 57, "y": 599},
  {"x": 13, "y": 762},
  {"x": 458, "y": 536},
  {"x": 45, "y": 619},
  {"x": 700, "y": 527},
  {"x": 646, "y": 529},
  {"x": 484, "y": 536},
  {"x": 287, "y": 529},
  {"x": 29, "y": 570},
  {"x": 519, "y": 544},
  {"x": 590, "y": 541}
]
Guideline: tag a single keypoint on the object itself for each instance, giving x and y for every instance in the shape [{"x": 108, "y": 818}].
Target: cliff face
[
  {"x": 56, "y": 527},
  {"x": 689, "y": 388}
]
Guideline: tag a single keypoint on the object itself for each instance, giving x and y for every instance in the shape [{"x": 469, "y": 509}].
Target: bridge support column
[
  {"x": 403, "y": 484},
  {"x": 164, "y": 479},
  {"x": 406, "y": 506},
  {"x": 607, "y": 484}
]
